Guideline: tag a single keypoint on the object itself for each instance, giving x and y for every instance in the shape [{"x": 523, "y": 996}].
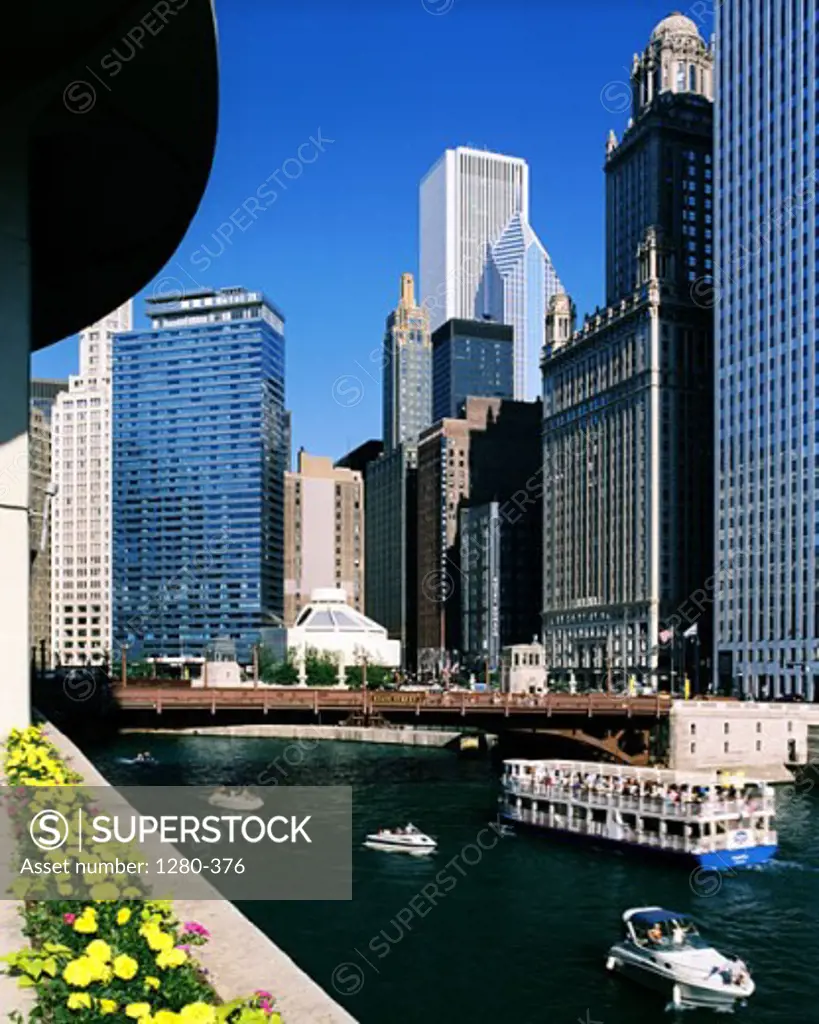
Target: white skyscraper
[
  {"x": 479, "y": 255},
  {"x": 81, "y": 514}
]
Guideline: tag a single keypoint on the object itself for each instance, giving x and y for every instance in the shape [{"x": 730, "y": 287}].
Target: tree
[{"x": 321, "y": 667}]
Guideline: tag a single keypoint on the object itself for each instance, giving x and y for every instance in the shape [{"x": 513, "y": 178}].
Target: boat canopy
[{"x": 646, "y": 917}]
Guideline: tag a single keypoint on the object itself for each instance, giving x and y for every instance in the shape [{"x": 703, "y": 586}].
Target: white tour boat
[
  {"x": 402, "y": 840},
  {"x": 665, "y": 952},
  {"x": 233, "y": 800},
  {"x": 714, "y": 821}
]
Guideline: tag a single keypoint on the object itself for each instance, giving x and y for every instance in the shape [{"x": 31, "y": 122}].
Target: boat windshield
[{"x": 667, "y": 933}]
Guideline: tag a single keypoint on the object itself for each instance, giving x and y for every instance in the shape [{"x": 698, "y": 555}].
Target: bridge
[{"x": 619, "y": 728}]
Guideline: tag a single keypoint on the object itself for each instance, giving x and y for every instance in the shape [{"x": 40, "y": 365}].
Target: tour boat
[
  {"x": 235, "y": 801},
  {"x": 705, "y": 818},
  {"x": 664, "y": 951},
  {"x": 402, "y": 840}
]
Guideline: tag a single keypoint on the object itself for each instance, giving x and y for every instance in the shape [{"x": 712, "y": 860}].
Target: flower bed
[{"x": 116, "y": 957}]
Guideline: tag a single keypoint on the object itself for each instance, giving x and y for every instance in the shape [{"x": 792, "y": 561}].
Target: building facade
[
  {"x": 501, "y": 535},
  {"x": 323, "y": 533},
  {"x": 478, "y": 254},
  {"x": 628, "y": 418},
  {"x": 198, "y": 456},
  {"x": 469, "y": 460},
  {"x": 470, "y": 357},
  {"x": 407, "y": 375},
  {"x": 766, "y": 294},
  {"x": 391, "y": 570},
  {"x": 660, "y": 172},
  {"x": 81, "y": 507},
  {"x": 43, "y": 394}
]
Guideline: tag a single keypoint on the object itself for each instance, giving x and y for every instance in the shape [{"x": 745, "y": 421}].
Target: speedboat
[
  {"x": 402, "y": 840},
  {"x": 235, "y": 801},
  {"x": 664, "y": 951}
]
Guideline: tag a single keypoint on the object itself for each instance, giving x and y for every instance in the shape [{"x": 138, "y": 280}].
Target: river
[{"x": 520, "y": 931}]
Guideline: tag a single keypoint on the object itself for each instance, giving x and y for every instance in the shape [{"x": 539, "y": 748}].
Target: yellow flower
[
  {"x": 197, "y": 1013},
  {"x": 79, "y": 972},
  {"x": 125, "y": 967},
  {"x": 79, "y": 1001},
  {"x": 107, "y": 1006},
  {"x": 151, "y": 982},
  {"x": 157, "y": 940},
  {"x": 166, "y": 1017},
  {"x": 123, "y": 916},
  {"x": 138, "y": 1010},
  {"x": 171, "y": 958},
  {"x": 98, "y": 950},
  {"x": 86, "y": 923}
]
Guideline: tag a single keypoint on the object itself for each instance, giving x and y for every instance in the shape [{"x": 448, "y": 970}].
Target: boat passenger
[{"x": 655, "y": 933}]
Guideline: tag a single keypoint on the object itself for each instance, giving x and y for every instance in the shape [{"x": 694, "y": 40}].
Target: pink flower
[
  {"x": 69, "y": 918},
  {"x": 194, "y": 928},
  {"x": 265, "y": 1004},
  {"x": 260, "y": 992}
]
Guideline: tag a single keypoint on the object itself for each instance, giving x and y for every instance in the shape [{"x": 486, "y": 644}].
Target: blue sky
[{"x": 392, "y": 83}]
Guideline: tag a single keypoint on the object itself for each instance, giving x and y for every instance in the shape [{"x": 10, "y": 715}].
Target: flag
[
  {"x": 691, "y": 631},
  {"x": 665, "y": 635}
]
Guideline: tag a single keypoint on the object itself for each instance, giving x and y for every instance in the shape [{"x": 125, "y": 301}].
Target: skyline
[{"x": 332, "y": 241}]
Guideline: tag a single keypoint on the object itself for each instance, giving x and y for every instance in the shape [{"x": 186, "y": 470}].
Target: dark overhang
[{"x": 114, "y": 105}]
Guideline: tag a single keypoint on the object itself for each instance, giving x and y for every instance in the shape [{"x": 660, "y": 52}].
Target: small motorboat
[
  {"x": 402, "y": 840},
  {"x": 235, "y": 800},
  {"x": 664, "y": 951},
  {"x": 144, "y": 759}
]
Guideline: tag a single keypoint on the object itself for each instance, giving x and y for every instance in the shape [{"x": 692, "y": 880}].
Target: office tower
[
  {"x": 42, "y": 394},
  {"x": 767, "y": 527},
  {"x": 361, "y": 457},
  {"x": 407, "y": 388},
  {"x": 470, "y": 357},
  {"x": 391, "y": 504},
  {"x": 628, "y": 399},
  {"x": 501, "y": 535},
  {"x": 287, "y": 434},
  {"x": 199, "y": 454},
  {"x": 479, "y": 255},
  {"x": 445, "y": 462},
  {"x": 659, "y": 174},
  {"x": 81, "y": 507},
  {"x": 324, "y": 533}
]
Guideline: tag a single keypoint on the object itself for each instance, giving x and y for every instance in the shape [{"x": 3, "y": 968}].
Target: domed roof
[{"x": 676, "y": 24}]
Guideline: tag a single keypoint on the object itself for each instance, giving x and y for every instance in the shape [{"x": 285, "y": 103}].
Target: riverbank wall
[
  {"x": 403, "y": 736},
  {"x": 262, "y": 965}
]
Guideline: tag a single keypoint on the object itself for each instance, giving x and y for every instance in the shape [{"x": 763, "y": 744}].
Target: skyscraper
[
  {"x": 628, "y": 398},
  {"x": 479, "y": 255},
  {"x": 198, "y": 455},
  {"x": 765, "y": 286},
  {"x": 470, "y": 357},
  {"x": 407, "y": 389},
  {"x": 81, "y": 508},
  {"x": 42, "y": 396},
  {"x": 323, "y": 533}
]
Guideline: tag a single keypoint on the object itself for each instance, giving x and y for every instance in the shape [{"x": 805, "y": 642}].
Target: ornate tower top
[
  {"x": 560, "y": 320},
  {"x": 676, "y": 60},
  {"x": 407, "y": 290}
]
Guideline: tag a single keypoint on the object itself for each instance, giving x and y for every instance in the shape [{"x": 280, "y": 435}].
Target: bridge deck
[{"x": 135, "y": 697}]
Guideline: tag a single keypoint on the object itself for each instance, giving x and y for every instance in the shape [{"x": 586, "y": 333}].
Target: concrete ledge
[
  {"x": 401, "y": 736},
  {"x": 239, "y": 957}
]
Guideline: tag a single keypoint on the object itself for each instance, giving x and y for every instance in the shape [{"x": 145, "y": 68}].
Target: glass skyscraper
[
  {"x": 199, "y": 451},
  {"x": 480, "y": 257},
  {"x": 765, "y": 288},
  {"x": 470, "y": 357}
]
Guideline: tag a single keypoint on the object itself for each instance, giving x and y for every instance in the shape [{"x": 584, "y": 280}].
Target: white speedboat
[
  {"x": 233, "y": 800},
  {"x": 402, "y": 840},
  {"x": 664, "y": 951}
]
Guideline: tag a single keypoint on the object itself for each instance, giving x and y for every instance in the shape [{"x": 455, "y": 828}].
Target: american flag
[{"x": 665, "y": 635}]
